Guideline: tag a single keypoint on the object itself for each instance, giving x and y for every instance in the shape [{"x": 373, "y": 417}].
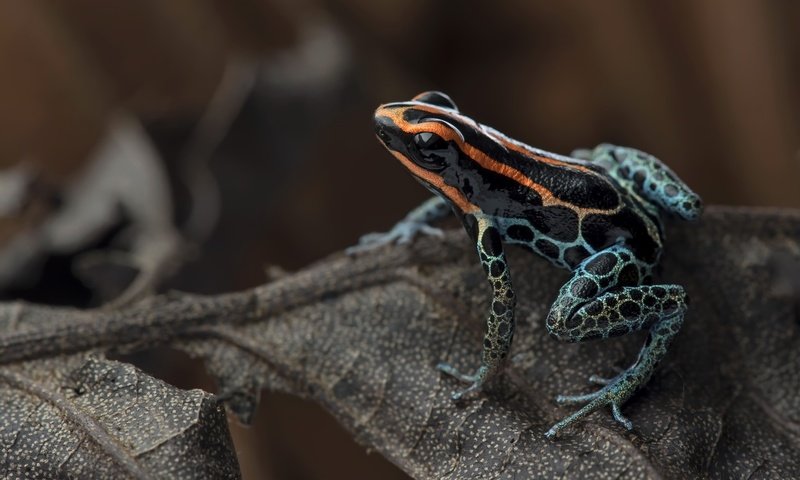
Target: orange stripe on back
[
  {"x": 505, "y": 141},
  {"x": 548, "y": 199}
]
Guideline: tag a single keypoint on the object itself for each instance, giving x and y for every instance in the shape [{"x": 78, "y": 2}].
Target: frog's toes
[
  {"x": 477, "y": 380},
  {"x": 476, "y": 386},
  {"x": 453, "y": 372},
  {"x": 617, "y": 413},
  {"x": 596, "y": 404},
  {"x": 577, "y": 399},
  {"x": 369, "y": 242},
  {"x": 432, "y": 231},
  {"x": 613, "y": 394},
  {"x": 403, "y": 232},
  {"x": 598, "y": 380},
  {"x": 408, "y": 230}
]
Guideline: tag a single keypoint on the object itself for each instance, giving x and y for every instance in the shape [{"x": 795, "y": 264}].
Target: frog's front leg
[
  {"x": 603, "y": 299},
  {"x": 417, "y": 221},
  {"x": 500, "y": 324}
]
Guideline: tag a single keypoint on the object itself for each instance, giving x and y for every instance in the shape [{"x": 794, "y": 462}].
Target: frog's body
[{"x": 597, "y": 214}]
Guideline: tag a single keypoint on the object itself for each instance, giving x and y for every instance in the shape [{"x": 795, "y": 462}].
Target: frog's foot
[
  {"x": 598, "y": 380},
  {"x": 614, "y": 393},
  {"x": 476, "y": 381},
  {"x": 403, "y": 232}
]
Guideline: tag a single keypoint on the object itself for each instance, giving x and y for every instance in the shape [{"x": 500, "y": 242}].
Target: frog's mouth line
[{"x": 437, "y": 183}]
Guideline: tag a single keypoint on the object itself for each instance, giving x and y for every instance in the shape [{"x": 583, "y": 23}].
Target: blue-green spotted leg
[
  {"x": 500, "y": 324},
  {"x": 603, "y": 299},
  {"x": 417, "y": 221},
  {"x": 647, "y": 176}
]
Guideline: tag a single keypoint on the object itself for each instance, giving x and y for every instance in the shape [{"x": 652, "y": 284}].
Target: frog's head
[{"x": 426, "y": 135}]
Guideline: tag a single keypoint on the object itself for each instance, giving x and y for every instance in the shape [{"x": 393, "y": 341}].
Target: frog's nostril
[{"x": 383, "y": 135}]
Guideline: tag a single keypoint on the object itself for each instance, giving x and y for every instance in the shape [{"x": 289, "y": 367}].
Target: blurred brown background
[{"x": 272, "y": 100}]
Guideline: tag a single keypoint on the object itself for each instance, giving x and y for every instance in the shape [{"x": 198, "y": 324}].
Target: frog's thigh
[
  {"x": 624, "y": 310},
  {"x": 604, "y": 271},
  {"x": 649, "y": 177}
]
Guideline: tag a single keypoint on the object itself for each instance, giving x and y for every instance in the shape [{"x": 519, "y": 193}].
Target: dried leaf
[
  {"x": 361, "y": 336},
  {"x": 85, "y": 417}
]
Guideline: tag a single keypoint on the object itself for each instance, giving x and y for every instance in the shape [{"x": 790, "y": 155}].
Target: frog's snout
[
  {"x": 381, "y": 133},
  {"x": 385, "y": 127},
  {"x": 382, "y": 127}
]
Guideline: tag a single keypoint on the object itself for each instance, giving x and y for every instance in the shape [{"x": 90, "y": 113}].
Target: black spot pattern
[
  {"x": 490, "y": 242},
  {"x": 602, "y": 264},
  {"x": 557, "y": 223},
  {"x": 594, "y": 230},
  {"x": 639, "y": 177},
  {"x": 629, "y": 275},
  {"x": 629, "y": 309},
  {"x": 649, "y": 300},
  {"x": 520, "y": 233},
  {"x": 584, "y": 288},
  {"x": 575, "y": 255},
  {"x": 547, "y": 248},
  {"x": 496, "y": 268}
]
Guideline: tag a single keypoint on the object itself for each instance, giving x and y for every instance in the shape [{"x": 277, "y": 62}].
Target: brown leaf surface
[
  {"x": 82, "y": 416},
  {"x": 361, "y": 336}
]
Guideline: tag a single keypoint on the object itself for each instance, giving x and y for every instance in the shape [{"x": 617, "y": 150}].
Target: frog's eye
[
  {"x": 436, "y": 98},
  {"x": 434, "y": 150}
]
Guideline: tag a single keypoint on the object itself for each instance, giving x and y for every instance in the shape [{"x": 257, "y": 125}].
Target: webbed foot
[
  {"x": 476, "y": 381},
  {"x": 614, "y": 393},
  {"x": 403, "y": 232}
]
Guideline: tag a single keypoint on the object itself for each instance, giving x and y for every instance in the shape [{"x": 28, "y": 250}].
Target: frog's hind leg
[
  {"x": 647, "y": 176},
  {"x": 603, "y": 299}
]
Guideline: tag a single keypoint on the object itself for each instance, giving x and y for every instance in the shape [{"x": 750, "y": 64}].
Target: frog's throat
[{"x": 437, "y": 183}]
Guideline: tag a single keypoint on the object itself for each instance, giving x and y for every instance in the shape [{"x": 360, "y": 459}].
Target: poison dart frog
[{"x": 597, "y": 213}]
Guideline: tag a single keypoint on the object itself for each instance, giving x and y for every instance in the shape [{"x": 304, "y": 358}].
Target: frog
[{"x": 598, "y": 213}]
